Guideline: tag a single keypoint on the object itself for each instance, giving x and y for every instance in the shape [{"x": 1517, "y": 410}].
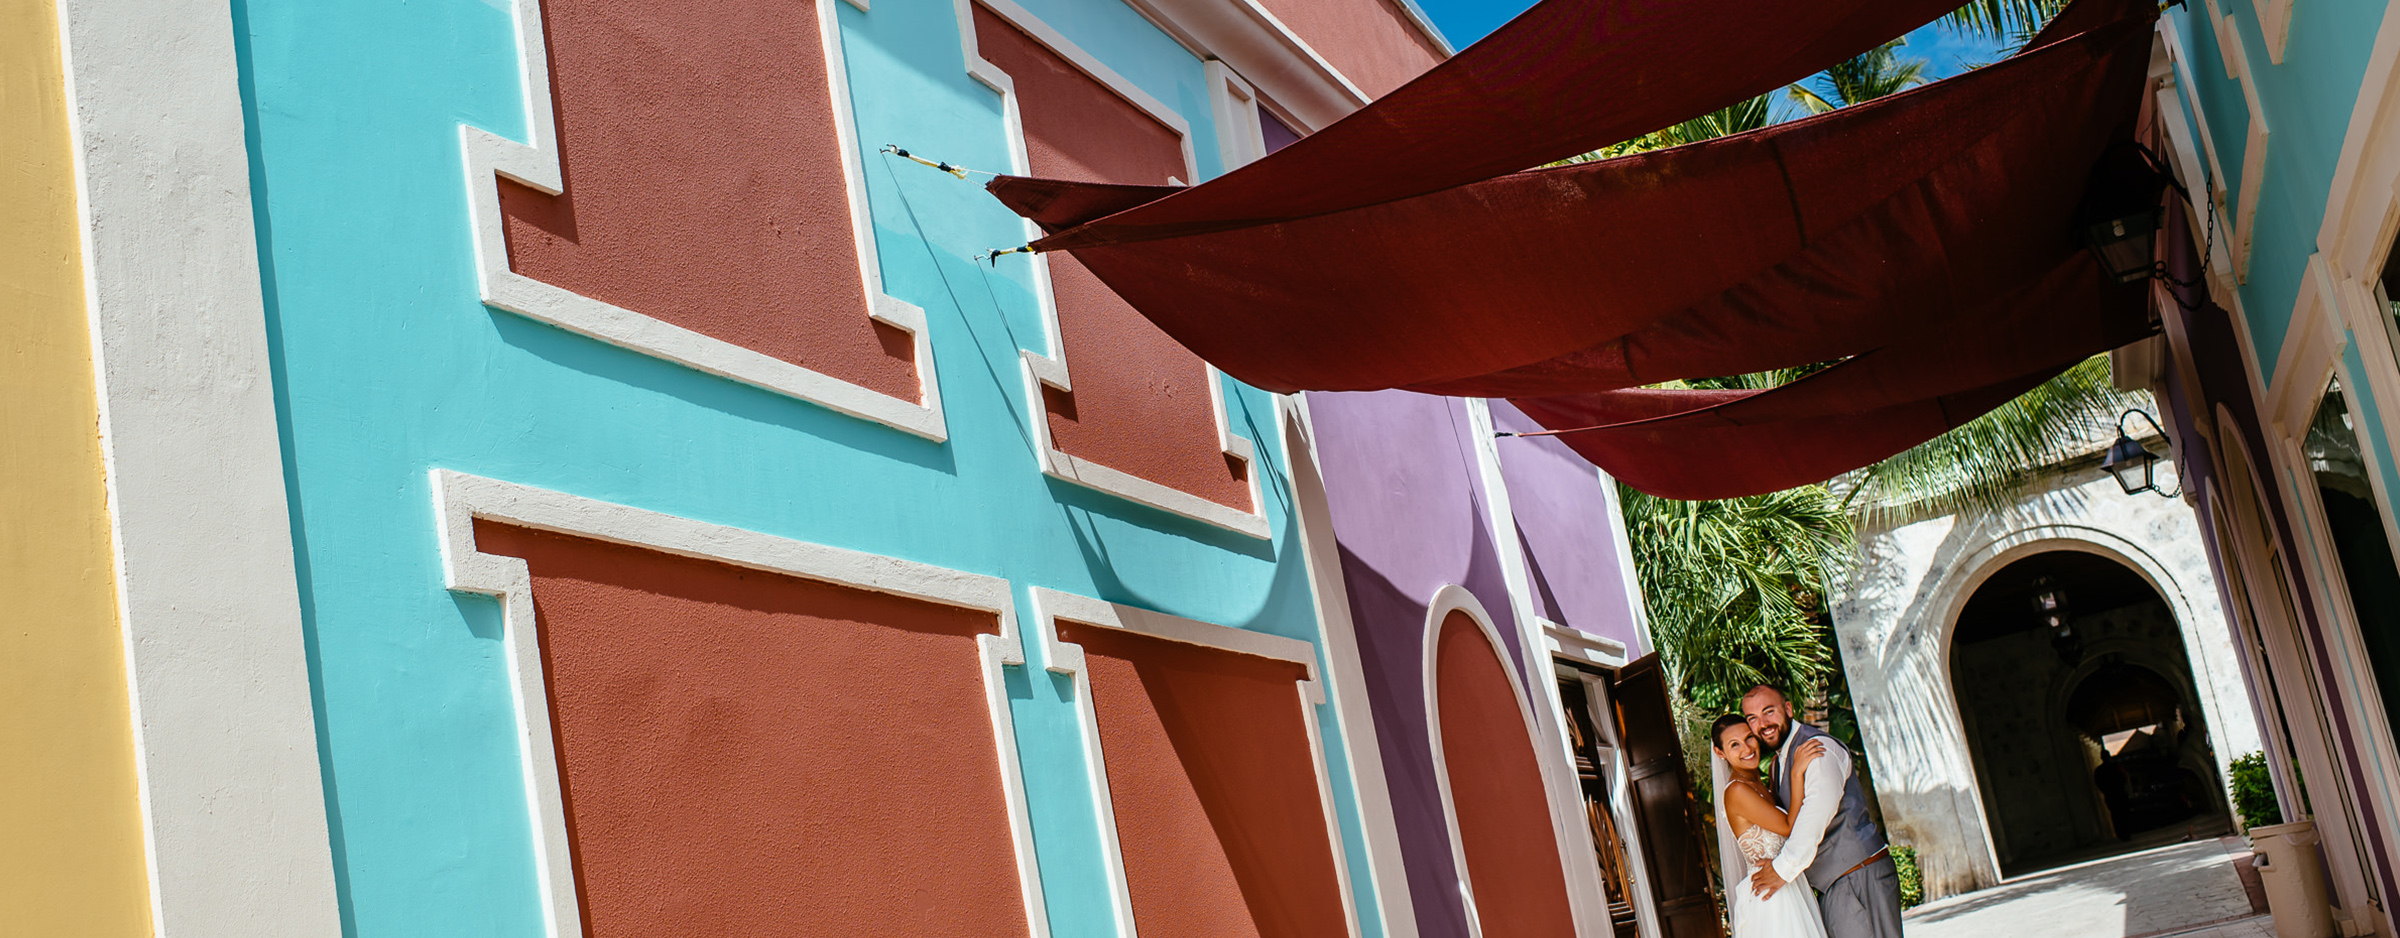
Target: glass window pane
[{"x": 2355, "y": 525}]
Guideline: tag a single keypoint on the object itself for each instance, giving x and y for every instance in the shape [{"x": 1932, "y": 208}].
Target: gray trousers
[{"x": 1864, "y": 904}]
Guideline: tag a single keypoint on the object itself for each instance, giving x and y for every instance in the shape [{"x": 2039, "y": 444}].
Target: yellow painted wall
[{"x": 70, "y": 824}]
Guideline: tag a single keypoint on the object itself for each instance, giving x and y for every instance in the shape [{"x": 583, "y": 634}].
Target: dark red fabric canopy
[
  {"x": 1926, "y": 233},
  {"x": 1723, "y": 444},
  {"x": 1565, "y": 77}
]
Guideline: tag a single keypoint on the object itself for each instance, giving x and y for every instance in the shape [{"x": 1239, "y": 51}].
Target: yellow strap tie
[
  {"x": 958, "y": 171},
  {"x": 993, "y": 256}
]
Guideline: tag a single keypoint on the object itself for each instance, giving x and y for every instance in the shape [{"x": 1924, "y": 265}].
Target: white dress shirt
[{"x": 1822, "y": 796}]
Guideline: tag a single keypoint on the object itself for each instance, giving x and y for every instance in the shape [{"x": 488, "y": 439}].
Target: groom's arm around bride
[
  {"x": 1818, "y": 789},
  {"x": 1835, "y": 841}
]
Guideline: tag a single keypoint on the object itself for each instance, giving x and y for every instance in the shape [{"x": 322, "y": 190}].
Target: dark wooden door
[
  {"x": 1671, "y": 826},
  {"x": 1591, "y": 773}
]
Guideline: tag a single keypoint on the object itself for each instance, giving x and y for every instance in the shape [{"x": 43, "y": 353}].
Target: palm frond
[
  {"x": 1868, "y": 75},
  {"x": 1985, "y": 464},
  {"x": 1814, "y": 102},
  {"x": 1736, "y": 587},
  {"x": 2009, "y": 21}
]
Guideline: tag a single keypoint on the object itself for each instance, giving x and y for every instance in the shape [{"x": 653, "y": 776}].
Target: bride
[{"x": 1750, "y": 832}]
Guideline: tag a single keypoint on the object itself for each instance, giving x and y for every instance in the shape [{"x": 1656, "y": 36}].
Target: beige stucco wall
[
  {"x": 71, "y": 855},
  {"x": 1894, "y": 617}
]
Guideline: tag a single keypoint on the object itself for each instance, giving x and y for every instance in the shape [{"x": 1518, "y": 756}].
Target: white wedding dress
[{"x": 1790, "y": 913}]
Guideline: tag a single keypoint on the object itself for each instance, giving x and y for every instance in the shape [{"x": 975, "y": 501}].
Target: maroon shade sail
[
  {"x": 1798, "y": 243},
  {"x": 1707, "y": 455},
  {"x": 1696, "y": 444},
  {"x": 1565, "y": 77},
  {"x": 1924, "y": 239}
]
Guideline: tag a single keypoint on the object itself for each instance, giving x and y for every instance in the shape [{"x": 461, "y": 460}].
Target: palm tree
[
  {"x": 1736, "y": 587},
  {"x": 1985, "y": 464},
  {"x": 1724, "y": 122},
  {"x": 1869, "y": 75},
  {"x": 2011, "y": 21}
]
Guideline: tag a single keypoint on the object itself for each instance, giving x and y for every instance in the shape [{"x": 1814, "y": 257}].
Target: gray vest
[{"x": 1851, "y": 837}]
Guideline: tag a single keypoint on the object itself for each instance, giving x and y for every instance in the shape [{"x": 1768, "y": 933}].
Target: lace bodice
[{"x": 1760, "y": 845}]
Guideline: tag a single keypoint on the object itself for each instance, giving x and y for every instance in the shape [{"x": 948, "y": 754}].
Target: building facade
[
  {"x": 1989, "y": 728},
  {"x": 561, "y": 468},
  {"x": 2280, "y": 387}
]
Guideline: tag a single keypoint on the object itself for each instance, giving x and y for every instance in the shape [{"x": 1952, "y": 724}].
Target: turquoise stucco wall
[
  {"x": 387, "y": 365},
  {"x": 2307, "y": 99}
]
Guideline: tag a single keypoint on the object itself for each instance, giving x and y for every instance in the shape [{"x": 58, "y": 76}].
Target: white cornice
[{"x": 1243, "y": 35}]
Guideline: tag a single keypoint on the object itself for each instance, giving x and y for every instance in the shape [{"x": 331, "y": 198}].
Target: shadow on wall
[{"x": 1396, "y": 696}]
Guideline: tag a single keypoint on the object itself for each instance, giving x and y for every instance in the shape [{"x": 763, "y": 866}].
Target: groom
[{"x": 1833, "y": 840}]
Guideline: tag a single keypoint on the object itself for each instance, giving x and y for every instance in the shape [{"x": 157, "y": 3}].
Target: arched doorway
[{"x": 2076, "y": 694}]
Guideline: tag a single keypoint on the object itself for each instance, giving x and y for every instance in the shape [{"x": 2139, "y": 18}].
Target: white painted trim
[
  {"x": 1620, "y": 800},
  {"x": 1264, "y": 51},
  {"x": 1049, "y": 607},
  {"x": 460, "y": 499},
  {"x": 1424, "y": 24},
  {"x": 488, "y": 155},
  {"x": 1240, "y": 137},
  {"x": 1050, "y": 369},
  {"x": 233, "y": 811},
  {"x": 1085, "y": 62},
  {"x": 1586, "y": 895},
  {"x": 1454, "y": 598},
  {"x": 1345, "y": 673},
  {"x": 2296, "y": 677},
  {"x": 2274, "y": 26},
  {"x": 1628, "y": 576},
  {"x": 1582, "y": 647},
  {"x": 2319, "y": 567},
  {"x": 2254, "y": 152},
  {"x": 2312, "y": 355},
  {"x": 2361, "y": 222},
  {"x": 2208, "y": 218}
]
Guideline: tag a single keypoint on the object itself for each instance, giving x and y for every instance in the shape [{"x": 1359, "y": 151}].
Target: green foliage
[
  {"x": 1912, "y": 879},
  {"x": 2011, "y": 21},
  {"x": 1736, "y": 588},
  {"x": 1984, "y": 464},
  {"x": 1869, "y": 75},
  {"x": 1741, "y": 116},
  {"x": 2254, "y": 792}
]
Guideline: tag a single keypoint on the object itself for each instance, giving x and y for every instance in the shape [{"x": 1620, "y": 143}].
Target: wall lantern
[
  {"x": 2132, "y": 463},
  {"x": 2123, "y": 244},
  {"x": 2050, "y": 607},
  {"x": 2119, "y": 216}
]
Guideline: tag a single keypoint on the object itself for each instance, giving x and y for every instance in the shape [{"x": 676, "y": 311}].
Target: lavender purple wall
[
  {"x": 1410, "y": 515},
  {"x": 1571, "y": 554}
]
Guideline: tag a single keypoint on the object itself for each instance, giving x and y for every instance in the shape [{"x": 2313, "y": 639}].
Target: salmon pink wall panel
[
  {"x": 704, "y": 182},
  {"x": 1214, "y": 788},
  {"x": 745, "y": 753},
  {"x": 1141, "y": 402},
  {"x": 1371, "y": 42},
  {"x": 1496, "y": 790}
]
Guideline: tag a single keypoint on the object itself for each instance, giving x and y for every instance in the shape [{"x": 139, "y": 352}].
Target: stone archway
[
  {"x": 2083, "y": 720},
  {"x": 1896, "y": 618}
]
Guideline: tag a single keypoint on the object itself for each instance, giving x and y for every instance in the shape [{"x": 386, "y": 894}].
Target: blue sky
[{"x": 1465, "y": 21}]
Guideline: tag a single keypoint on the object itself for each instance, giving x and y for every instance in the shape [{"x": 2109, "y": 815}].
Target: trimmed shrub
[
  {"x": 1912, "y": 880},
  {"x": 2254, "y": 792}
]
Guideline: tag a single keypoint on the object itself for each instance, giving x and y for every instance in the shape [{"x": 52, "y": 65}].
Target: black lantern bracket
[{"x": 2133, "y": 464}]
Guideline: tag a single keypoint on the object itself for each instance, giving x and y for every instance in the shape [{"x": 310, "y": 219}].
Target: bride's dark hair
[{"x": 1716, "y": 731}]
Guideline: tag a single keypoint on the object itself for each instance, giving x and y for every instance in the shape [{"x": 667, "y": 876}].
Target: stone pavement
[{"x": 2188, "y": 890}]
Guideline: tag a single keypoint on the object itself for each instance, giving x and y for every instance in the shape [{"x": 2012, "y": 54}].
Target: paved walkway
[{"x": 2188, "y": 890}]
